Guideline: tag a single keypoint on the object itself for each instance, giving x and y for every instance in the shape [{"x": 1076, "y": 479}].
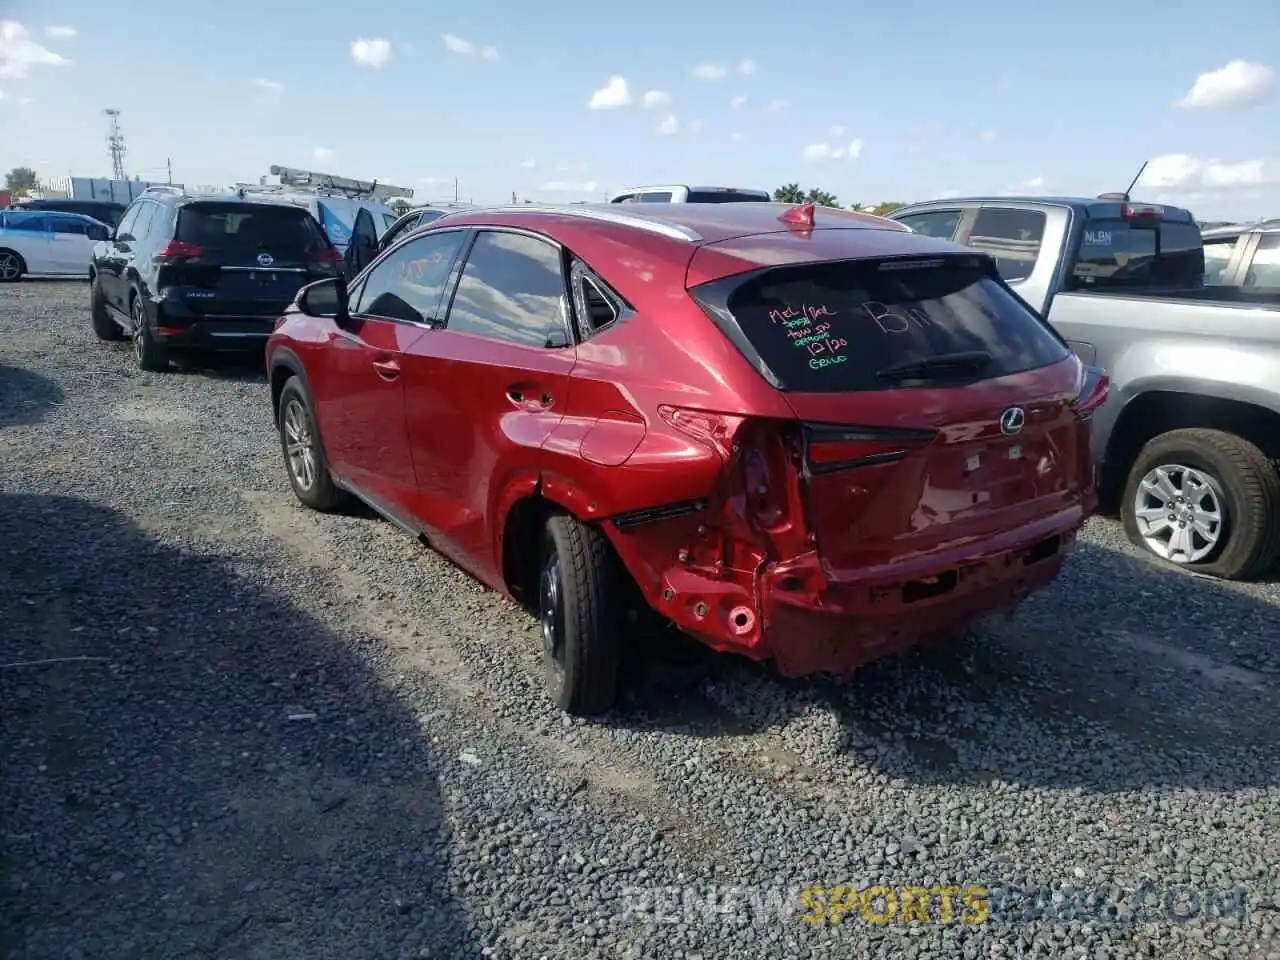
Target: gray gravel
[{"x": 304, "y": 736}]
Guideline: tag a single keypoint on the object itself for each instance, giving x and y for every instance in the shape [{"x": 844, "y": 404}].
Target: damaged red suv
[{"x": 805, "y": 436}]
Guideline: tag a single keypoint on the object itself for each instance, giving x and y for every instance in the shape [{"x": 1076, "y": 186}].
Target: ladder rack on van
[{"x": 294, "y": 180}]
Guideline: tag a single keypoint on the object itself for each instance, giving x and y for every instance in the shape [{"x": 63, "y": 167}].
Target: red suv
[{"x": 812, "y": 437}]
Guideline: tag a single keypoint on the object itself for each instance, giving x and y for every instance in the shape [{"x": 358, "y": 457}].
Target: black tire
[
  {"x": 314, "y": 487},
  {"x": 9, "y": 259},
  {"x": 104, "y": 327},
  {"x": 150, "y": 355},
  {"x": 577, "y": 605},
  {"x": 1248, "y": 485}
]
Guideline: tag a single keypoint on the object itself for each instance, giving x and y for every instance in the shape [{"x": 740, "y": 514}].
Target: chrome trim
[{"x": 265, "y": 269}]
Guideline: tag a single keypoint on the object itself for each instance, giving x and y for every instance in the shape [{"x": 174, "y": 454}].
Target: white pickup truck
[{"x": 680, "y": 193}]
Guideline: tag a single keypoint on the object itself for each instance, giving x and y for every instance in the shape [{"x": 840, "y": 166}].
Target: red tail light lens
[
  {"x": 328, "y": 255},
  {"x": 829, "y": 447},
  {"x": 1141, "y": 211},
  {"x": 177, "y": 250},
  {"x": 1095, "y": 387}
]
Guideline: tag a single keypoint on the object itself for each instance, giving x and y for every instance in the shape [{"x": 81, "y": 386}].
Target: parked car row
[
  {"x": 46, "y": 243},
  {"x": 803, "y": 435}
]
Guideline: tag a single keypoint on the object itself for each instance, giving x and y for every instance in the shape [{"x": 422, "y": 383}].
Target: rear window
[
  {"x": 839, "y": 327},
  {"x": 726, "y": 196},
  {"x": 240, "y": 229},
  {"x": 1123, "y": 254}
]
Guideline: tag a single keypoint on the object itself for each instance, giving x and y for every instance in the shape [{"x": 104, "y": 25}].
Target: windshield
[
  {"x": 1137, "y": 253},
  {"x": 848, "y": 326},
  {"x": 727, "y": 196}
]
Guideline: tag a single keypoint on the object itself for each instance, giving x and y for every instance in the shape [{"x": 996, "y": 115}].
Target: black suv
[
  {"x": 185, "y": 273},
  {"x": 104, "y": 211}
]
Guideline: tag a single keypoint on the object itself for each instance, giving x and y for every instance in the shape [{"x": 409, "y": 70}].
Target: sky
[{"x": 908, "y": 100}]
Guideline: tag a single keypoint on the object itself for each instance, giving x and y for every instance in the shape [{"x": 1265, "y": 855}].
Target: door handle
[
  {"x": 387, "y": 369},
  {"x": 521, "y": 399}
]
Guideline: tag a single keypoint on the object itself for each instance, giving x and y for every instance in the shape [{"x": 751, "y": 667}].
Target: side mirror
[{"x": 326, "y": 299}]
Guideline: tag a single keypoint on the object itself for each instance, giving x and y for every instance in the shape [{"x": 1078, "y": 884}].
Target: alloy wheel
[
  {"x": 10, "y": 268},
  {"x": 299, "y": 444},
  {"x": 139, "y": 343},
  {"x": 1181, "y": 512},
  {"x": 551, "y": 613}
]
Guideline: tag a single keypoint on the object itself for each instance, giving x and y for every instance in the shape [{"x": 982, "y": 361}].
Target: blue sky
[{"x": 901, "y": 100}]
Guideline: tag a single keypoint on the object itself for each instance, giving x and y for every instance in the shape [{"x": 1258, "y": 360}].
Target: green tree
[
  {"x": 21, "y": 180},
  {"x": 789, "y": 193},
  {"x": 821, "y": 198},
  {"x": 884, "y": 209}
]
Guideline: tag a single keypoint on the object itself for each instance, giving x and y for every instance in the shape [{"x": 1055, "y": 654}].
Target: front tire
[
  {"x": 578, "y": 600},
  {"x": 1206, "y": 500},
  {"x": 12, "y": 266},
  {"x": 304, "y": 457},
  {"x": 104, "y": 328},
  {"x": 150, "y": 354}
]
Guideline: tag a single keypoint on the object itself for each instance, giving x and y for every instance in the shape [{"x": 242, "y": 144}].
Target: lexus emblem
[
  {"x": 265, "y": 259},
  {"x": 1012, "y": 421}
]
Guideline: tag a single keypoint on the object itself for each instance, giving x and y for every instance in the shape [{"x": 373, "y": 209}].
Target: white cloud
[
  {"x": 564, "y": 186},
  {"x": 529, "y": 164},
  {"x": 19, "y": 53},
  {"x": 1035, "y": 184},
  {"x": 820, "y": 152},
  {"x": 817, "y": 152},
  {"x": 711, "y": 71},
  {"x": 747, "y": 67},
  {"x": 1180, "y": 171},
  {"x": 61, "y": 33},
  {"x": 655, "y": 98},
  {"x": 268, "y": 86},
  {"x": 1238, "y": 84},
  {"x": 854, "y": 150},
  {"x": 457, "y": 44},
  {"x": 613, "y": 94},
  {"x": 739, "y": 101},
  {"x": 776, "y": 105},
  {"x": 489, "y": 53},
  {"x": 669, "y": 126},
  {"x": 322, "y": 154},
  {"x": 374, "y": 53}
]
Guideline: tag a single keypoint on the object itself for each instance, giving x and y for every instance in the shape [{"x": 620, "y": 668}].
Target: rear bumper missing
[{"x": 807, "y": 621}]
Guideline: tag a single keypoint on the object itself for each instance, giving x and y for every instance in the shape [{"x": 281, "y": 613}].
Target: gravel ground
[{"x": 274, "y": 734}]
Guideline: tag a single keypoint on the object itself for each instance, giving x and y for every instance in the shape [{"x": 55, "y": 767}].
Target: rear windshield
[
  {"x": 1123, "y": 254},
  {"x": 839, "y": 327},
  {"x": 726, "y": 196},
  {"x": 239, "y": 229}
]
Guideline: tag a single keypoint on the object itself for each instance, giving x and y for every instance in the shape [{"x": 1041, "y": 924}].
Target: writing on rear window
[
  {"x": 805, "y": 327},
  {"x": 1097, "y": 238}
]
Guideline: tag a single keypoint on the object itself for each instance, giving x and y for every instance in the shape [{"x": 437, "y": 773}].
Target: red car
[{"x": 811, "y": 437}]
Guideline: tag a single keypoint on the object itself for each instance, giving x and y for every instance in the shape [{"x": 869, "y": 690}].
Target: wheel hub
[
  {"x": 1180, "y": 512},
  {"x": 298, "y": 444},
  {"x": 550, "y": 609}
]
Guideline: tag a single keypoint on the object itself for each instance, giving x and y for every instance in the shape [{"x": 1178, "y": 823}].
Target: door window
[
  {"x": 125, "y": 227},
  {"x": 398, "y": 232},
  {"x": 512, "y": 289},
  {"x": 66, "y": 225},
  {"x": 1264, "y": 271},
  {"x": 663, "y": 197},
  {"x": 936, "y": 223},
  {"x": 1217, "y": 259},
  {"x": 30, "y": 224},
  {"x": 1011, "y": 237},
  {"x": 407, "y": 283},
  {"x": 143, "y": 224}
]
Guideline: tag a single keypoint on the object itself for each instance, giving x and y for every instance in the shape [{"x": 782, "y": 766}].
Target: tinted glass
[
  {"x": 839, "y": 327},
  {"x": 1264, "y": 271},
  {"x": 68, "y": 225},
  {"x": 125, "y": 226},
  {"x": 655, "y": 197},
  {"x": 30, "y": 223},
  {"x": 726, "y": 196},
  {"x": 406, "y": 284},
  {"x": 142, "y": 226},
  {"x": 1011, "y": 237},
  {"x": 1137, "y": 253},
  {"x": 397, "y": 232},
  {"x": 1217, "y": 258},
  {"x": 427, "y": 216},
  {"x": 240, "y": 232},
  {"x": 935, "y": 223},
  {"x": 512, "y": 289}
]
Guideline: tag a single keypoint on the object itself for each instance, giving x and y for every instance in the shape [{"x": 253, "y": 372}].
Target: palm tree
[{"x": 790, "y": 193}]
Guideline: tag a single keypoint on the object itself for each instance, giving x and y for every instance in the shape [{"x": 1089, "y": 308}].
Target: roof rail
[
  {"x": 292, "y": 177},
  {"x": 163, "y": 188},
  {"x": 675, "y": 231}
]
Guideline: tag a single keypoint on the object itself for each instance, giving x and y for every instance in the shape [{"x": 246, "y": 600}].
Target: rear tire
[
  {"x": 304, "y": 458},
  {"x": 150, "y": 355},
  {"x": 1204, "y": 473},
  {"x": 104, "y": 327},
  {"x": 12, "y": 266},
  {"x": 578, "y": 603}
]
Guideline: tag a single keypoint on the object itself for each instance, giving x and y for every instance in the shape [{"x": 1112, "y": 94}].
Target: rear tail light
[
  {"x": 1095, "y": 387},
  {"x": 328, "y": 255},
  {"x": 829, "y": 448},
  {"x": 1141, "y": 211},
  {"x": 176, "y": 250}
]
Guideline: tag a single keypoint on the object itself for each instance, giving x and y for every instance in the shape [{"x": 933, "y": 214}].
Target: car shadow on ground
[
  {"x": 1122, "y": 675},
  {"x": 203, "y": 769},
  {"x": 246, "y": 367},
  {"x": 25, "y": 396}
]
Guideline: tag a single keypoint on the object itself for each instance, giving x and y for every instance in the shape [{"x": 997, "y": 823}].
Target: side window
[
  {"x": 1264, "y": 271},
  {"x": 69, "y": 226},
  {"x": 406, "y": 285},
  {"x": 663, "y": 197},
  {"x": 595, "y": 305},
  {"x": 1011, "y": 237},
  {"x": 388, "y": 219},
  {"x": 400, "y": 231},
  {"x": 1217, "y": 258},
  {"x": 142, "y": 225},
  {"x": 512, "y": 289},
  {"x": 935, "y": 223},
  {"x": 128, "y": 220},
  {"x": 31, "y": 224}
]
